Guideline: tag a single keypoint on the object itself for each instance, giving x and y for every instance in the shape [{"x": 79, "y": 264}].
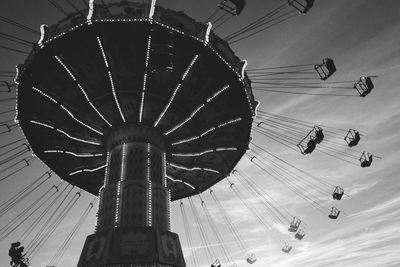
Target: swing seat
[
  {"x": 352, "y": 138},
  {"x": 338, "y": 193},
  {"x": 234, "y": 7},
  {"x": 319, "y": 135},
  {"x": 326, "y": 69},
  {"x": 303, "y": 6},
  {"x": 251, "y": 259},
  {"x": 364, "y": 86},
  {"x": 287, "y": 248},
  {"x": 300, "y": 234},
  {"x": 337, "y": 196},
  {"x": 366, "y": 159},
  {"x": 334, "y": 217},
  {"x": 334, "y": 213},
  {"x": 294, "y": 225}
]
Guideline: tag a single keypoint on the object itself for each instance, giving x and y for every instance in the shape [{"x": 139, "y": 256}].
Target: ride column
[{"x": 134, "y": 207}]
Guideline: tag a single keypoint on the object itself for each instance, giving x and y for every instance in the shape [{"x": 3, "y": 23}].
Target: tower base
[{"x": 132, "y": 247}]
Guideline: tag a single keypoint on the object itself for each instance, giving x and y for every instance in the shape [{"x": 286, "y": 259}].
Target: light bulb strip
[
  {"x": 149, "y": 188},
  {"x": 176, "y": 90},
  {"x": 204, "y": 152},
  {"x": 102, "y": 52},
  {"x": 168, "y": 209},
  {"x": 115, "y": 96},
  {"x": 118, "y": 206},
  {"x": 145, "y": 79},
  {"x": 192, "y": 168},
  {"x": 148, "y": 162},
  {"x": 149, "y": 217},
  {"x": 181, "y": 181},
  {"x": 79, "y": 121},
  {"x": 110, "y": 78},
  {"x": 164, "y": 166},
  {"x": 83, "y": 91},
  {"x": 182, "y": 141},
  {"x": 42, "y": 124},
  {"x": 217, "y": 93},
  {"x": 65, "y": 133},
  {"x": 185, "y": 120},
  {"x": 44, "y": 94},
  {"x": 88, "y": 170},
  {"x": 197, "y": 110},
  {"x": 78, "y": 139},
  {"x": 123, "y": 162},
  {"x": 99, "y": 208},
  {"x": 66, "y": 110},
  {"x": 78, "y": 155},
  {"x": 107, "y": 172}
]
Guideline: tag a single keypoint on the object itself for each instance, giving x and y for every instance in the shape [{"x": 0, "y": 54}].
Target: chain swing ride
[{"x": 158, "y": 115}]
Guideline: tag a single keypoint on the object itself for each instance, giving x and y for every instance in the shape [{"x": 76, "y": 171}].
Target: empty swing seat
[
  {"x": 352, "y": 138},
  {"x": 292, "y": 228},
  {"x": 315, "y": 136},
  {"x": 216, "y": 263},
  {"x": 300, "y": 234},
  {"x": 338, "y": 193},
  {"x": 234, "y": 7},
  {"x": 326, "y": 69},
  {"x": 334, "y": 213},
  {"x": 294, "y": 225},
  {"x": 303, "y": 6},
  {"x": 364, "y": 86},
  {"x": 251, "y": 258},
  {"x": 287, "y": 248}
]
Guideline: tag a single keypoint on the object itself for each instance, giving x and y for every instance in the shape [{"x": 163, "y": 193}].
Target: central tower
[{"x": 133, "y": 221}]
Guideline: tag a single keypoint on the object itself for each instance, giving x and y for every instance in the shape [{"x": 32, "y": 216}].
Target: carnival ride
[{"x": 157, "y": 115}]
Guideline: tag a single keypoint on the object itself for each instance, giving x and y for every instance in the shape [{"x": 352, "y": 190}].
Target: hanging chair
[
  {"x": 216, "y": 263},
  {"x": 319, "y": 135},
  {"x": 234, "y": 7},
  {"x": 326, "y": 69},
  {"x": 334, "y": 213},
  {"x": 352, "y": 138},
  {"x": 314, "y": 136},
  {"x": 287, "y": 248},
  {"x": 251, "y": 258},
  {"x": 364, "y": 86},
  {"x": 300, "y": 234},
  {"x": 338, "y": 193},
  {"x": 366, "y": 159},
  {"x": 303, "y": 6},
  {"x": 17, "y": 256},
  {"x": 294, "y": 225}
]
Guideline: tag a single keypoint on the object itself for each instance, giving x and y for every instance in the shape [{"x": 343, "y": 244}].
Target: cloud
[
  {"x": 387, "y": 206},
  {"x": 358, "y": 188}
]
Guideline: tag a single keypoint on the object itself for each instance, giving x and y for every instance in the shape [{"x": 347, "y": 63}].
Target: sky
[{"x": 363, "y": 38}]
